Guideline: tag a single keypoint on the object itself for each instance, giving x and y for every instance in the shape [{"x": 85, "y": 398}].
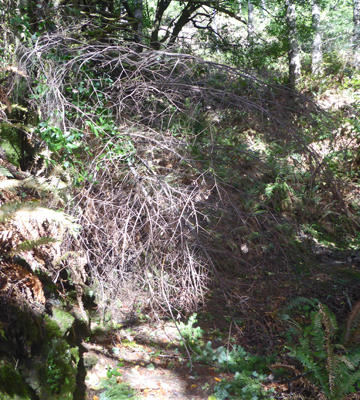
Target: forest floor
[{"x": 150, "y": 358}]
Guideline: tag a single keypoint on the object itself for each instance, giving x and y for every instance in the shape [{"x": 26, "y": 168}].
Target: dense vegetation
[{"x": 163, "y": 158}]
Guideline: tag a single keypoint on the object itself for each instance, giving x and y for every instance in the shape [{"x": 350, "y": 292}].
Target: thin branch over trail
[{"x": 163, "y": 188}]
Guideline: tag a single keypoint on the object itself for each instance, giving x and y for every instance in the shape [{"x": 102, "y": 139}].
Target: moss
[
  {"x": 59, "y": 372},
  {"x": 89, "y": 361},
  {"x": 63, "y": 319},
  {"x": 11, "y": 384},
  {"x": 52, "y": 329}
]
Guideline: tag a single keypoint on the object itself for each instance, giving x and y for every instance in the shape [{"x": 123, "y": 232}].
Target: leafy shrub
[
  {"x": 60, "y": 368},
  {"x": 246, "y": 386},
  {"x": 189, "y": 334},
  {"x": 248, "y": 382}
]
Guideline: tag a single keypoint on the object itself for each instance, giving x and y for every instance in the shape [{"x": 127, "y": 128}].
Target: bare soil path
[{"x": 150, "y": 359}]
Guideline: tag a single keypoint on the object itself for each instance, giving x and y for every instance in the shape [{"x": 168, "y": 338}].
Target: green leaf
[
  {"x": 114, "y": 372},
  {"x": 4, "y": 171},
  {"x": 150, "y": 367}
]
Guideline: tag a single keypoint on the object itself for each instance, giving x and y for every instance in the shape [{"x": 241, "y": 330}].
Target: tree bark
[
  {"x": 138, "y": 15},
  {"x": 215, "y": 28},
  {"x": 185, "y": 16},
  {"x": 356, "y": 33},
  {"x": 294, "y": 55},
  {"x": 250, "y": 25},
  {"x": 317, "y": 43},
  {"x": 161, "y": 7}
]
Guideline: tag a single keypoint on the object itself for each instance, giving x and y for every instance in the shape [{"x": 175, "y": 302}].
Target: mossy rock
[
  {"x": 90, "y": 360},
  {"x": 53, "y": 375},
  {"x": 59, "y": 372},
  {"x": 49, "y": 368},
  {"x": 64, "y": 320}
]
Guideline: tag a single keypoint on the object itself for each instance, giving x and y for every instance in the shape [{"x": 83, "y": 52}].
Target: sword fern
[{"x": 330, "y": 363}]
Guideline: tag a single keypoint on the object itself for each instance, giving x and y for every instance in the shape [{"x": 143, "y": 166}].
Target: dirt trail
[{"x": 148, "y": 359}]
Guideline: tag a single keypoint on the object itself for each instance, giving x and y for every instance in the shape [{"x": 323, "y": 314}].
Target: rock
[
  {"x": 95, "y": 379},
  {"x": 64, "y": 320},
  {"x": 89, "y": 360}
]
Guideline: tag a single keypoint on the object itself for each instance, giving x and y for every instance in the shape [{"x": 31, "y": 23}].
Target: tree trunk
[
  {"x": 215, "y": 28},
  {"x": 317, "y": 51},
  {"x": 185, "y": 16},
  {"x": 161, "y": 7},
  {"x": 138, "y": 15},
  {"x": 294, "y": 55},
  {"x": 263, "y": 8},
  {"x": 250, "y": 22},
  {"x": 356, "y": 33}
]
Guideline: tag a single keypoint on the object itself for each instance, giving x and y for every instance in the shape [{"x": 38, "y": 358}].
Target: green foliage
[
  {"x": 31, "y": 244},
  {"x": 246, "y": 385},
  {"x": 57, "y": 140},
  {"x": 60, "y": 368},
  {"x": 4, "y": 171},
  {"x": 190, "y": 334},
  {"x": 54, "y": 375},
  {"x": 32, "y": 211},
  {"x": 117, "y": 391},
  {"x": 112, "y": 372},
  {"x": 10, "y": 143},
  {"x": 329, "y": 365},
  {"x": 249, "y": 372},
  {"x": 11, "y": 383}
]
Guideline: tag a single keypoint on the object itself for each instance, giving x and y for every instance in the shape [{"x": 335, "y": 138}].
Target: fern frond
[
  {"x": 40, "y": 184},
  {"x": 10, "y": 184},
  {"x": 4, "y": 171},
  {"x": 30, "y": 244},
  {"x": 302, "y": 300},
  {"x": 334, "y": 368},
  {"x": 346, "y": 382},
  {"x": 347, "y": 362},
  {"x": 8, "y": 210},
  {"x": 328, "y": 321},
  {"x": 42, "y": 214},
  {"x": 353, "y": 325},
  {"x": 31, "y": 211}
]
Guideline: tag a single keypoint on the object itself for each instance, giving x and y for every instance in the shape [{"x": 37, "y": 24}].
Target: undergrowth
[
  {"x": 116, "y": 390},
  {"x": 329, "y": 356},
  {"x": 249, "y": 370}
]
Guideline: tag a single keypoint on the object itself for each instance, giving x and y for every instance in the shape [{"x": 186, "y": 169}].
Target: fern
[
  {"x": 32, "y": 211},
  {"x": 4, "y": 171},
  {"x": 333, "y": 368},
  {"x": 40, "y": 184},
  {"x": 30, "y": 244},
  {"x": 353, "y": 325},
  {"x": 117, "y": 391},
  {"x": 12, "y": 184}
]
